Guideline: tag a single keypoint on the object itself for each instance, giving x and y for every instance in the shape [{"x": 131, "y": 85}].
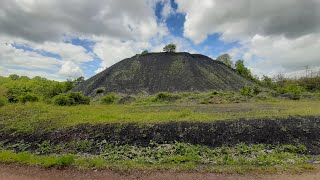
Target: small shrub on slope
[
  {"x": 165, "y": 96},
  {"x": 109, "y": 98}
]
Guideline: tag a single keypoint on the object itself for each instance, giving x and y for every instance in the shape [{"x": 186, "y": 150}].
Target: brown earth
[{"x": 14, "y": 172}]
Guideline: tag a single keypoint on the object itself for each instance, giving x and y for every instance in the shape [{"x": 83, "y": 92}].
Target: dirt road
[{"x": 14, "y": 172}]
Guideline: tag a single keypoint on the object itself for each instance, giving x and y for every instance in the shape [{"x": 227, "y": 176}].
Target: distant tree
[
  {"x": 226, "y": 59},
  {"x": 267, "y": 81},
  {"x": 14, "y": 77},
  {"x": 144, "y": 52},
  {"x": 242, "y": 69},
  {"x": 170, "y": 48},
  {"x": 78, "y": 80}
]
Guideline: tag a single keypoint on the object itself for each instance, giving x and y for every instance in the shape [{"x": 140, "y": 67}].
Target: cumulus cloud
[
  {"x": 119, "y": 29},
  {"x": 240, "y": 19},
  {"x": 71, "y": 70},
  {"x": 38, "y": 20},
  {"x": 275, "y": 36},
  {"x": 11, "y": 56}
]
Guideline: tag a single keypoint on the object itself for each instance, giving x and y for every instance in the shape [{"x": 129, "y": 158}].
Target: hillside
[{"x": 172, "y": 72}]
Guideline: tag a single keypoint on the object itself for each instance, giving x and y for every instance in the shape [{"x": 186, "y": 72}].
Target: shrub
[
  {"x": 71, "y": 98},
  {"x": 63, "y": 100},
  {"x": 28, "y": 97},
  {"x": 165, "y": 96},
  {"x": 144, "y": 52},
  {"x": 126, "y": 100},
  {"x": 99, "y": 90},
  {"x": 294, "y": 91},
  {"x": 247, "y": 91},
  {"x": 256, "y": 90},
  {"x": 109, "y": 98},
  {"x": 79, "y": 98}
]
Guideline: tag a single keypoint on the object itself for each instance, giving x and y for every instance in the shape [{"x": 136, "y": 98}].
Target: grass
[
  {"x": 31, "y": 117},
  {"x": 177, "y": 156}
]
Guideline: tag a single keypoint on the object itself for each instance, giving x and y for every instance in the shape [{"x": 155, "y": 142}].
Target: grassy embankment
[{"x": 32, "y": 117}]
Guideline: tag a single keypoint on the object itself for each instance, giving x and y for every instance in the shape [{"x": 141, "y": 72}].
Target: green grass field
[{"x": 31, "y": 117}]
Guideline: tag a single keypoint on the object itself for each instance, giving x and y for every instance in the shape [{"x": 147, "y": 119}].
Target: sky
[{"x": 60, "y": 39}]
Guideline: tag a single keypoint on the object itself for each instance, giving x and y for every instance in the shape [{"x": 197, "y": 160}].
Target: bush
[
  {"x": 63, "y": 100},
  {"x": 28, "y": 97},
  {"x": 144, "y": 52},
  {"x": 256, "y": 90},
  {"x": 99, "y": 90},
  {"x": 109, "y": 98},
  {"x": 71, "y": 98},
  {"x": 79, "y": 98},
  {"x": 294, "y": 91},
  {"x": 247, "y": 91},
  {"x": 165, "y": 96}
]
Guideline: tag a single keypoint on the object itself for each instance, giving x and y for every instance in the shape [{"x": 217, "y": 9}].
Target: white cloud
[
  {"x": 71, "y": 70},
  {"x": 275, "y": 36},
  {"x": 241, "y": 19},
  {"x": 10, "y": 56},
  {"x": 112, "y": 51},
  {"x": 49, "y": 20},
  {"x": 66, "y": 51},
  {"x": 120, "y": 29}
]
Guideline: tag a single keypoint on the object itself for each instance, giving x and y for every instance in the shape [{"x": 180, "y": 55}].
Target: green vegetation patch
[{"x": 166, "y": 156}]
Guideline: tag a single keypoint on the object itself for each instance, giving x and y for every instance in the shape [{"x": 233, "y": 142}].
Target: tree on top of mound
[
  {"x": 170, "y": 48},
  {"x": 226, "y": 59}
]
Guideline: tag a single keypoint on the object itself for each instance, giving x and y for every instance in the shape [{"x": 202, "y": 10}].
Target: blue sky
[{"x": 68, "y": 43}]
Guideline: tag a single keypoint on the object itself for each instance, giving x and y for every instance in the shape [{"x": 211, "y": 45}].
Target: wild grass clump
[
  {"x": 166, "y": 96},
  {"x": 109, "y": 98},
  {"x": 71, "y": 98}
]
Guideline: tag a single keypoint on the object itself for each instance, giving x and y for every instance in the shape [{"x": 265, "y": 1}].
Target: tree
[
  {"x": 242, "y": 69},
  {"x": 170, "y": 48},
  {"x": 144, "y": 52},
  {"x": 78, "y": 80},
  {"x": 14, "y": 77},
  {"x": 226, "y": 59}
]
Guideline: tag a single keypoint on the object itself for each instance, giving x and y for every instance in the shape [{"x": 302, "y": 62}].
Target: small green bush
[
  {"x": 165, "y": 96},
  {"x": 109, "y": 98},
  {"x": 28, "y": 97},
  {"x": 99, "y": 90},
  {"x": 63, "y": 100},
  {"x": 71, "y": 98},
  {"x": 294, "y": 91},
  {"x": 247, "y": 91},
  {"x": 256, "y": 90}
]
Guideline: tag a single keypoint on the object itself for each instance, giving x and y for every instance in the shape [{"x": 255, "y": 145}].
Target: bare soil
[{"x": 14, "y": 172}]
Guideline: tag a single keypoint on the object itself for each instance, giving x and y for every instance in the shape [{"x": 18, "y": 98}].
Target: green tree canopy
[
  {"x": 242, "y": 69},
  {"x": 226, "y": 59},
  {"x": 170, "y": 48}
]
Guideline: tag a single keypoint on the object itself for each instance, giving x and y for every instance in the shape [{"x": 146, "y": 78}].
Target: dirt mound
[
  {"x": 172, "y": 72},
  {"x": 292, "y": 130}
]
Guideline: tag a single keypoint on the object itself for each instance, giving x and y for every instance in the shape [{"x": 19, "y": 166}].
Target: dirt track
[{"x": 13, "y": 172}]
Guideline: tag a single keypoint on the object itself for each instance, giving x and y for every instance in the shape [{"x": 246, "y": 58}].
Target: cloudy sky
[{"x": 60, "y": 39}]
